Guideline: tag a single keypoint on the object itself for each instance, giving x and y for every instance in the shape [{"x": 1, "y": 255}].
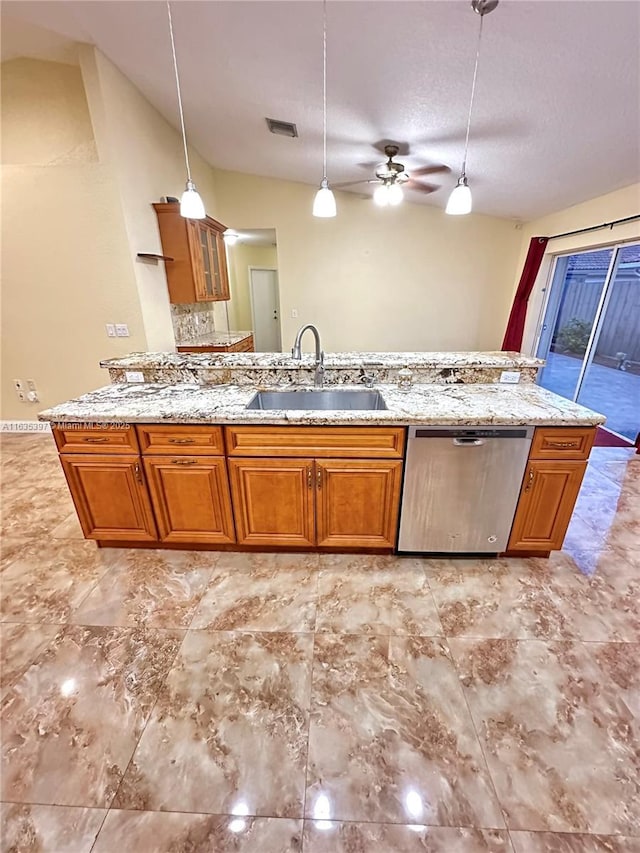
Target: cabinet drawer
[
  {"x": 185, "y": 440},
  {"x": 102, "y": 438},
  {"x": 335, "y": 442},
  {"x": 562, "y": 442}
]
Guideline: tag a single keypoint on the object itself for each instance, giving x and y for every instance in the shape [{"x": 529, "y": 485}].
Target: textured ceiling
[{"x": 557, "y": 117}]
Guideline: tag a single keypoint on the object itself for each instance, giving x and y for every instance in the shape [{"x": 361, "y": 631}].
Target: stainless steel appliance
[{"x": 461, "y": 488}]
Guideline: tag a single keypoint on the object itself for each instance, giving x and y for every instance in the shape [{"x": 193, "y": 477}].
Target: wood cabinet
[
  {"x": 190, "y": 497},
  {"x": 357, "y": 502},
  {"x": 332, "y": 503},
  {"x": 245, "y": 345},
  {"x": 273, "y": 501},
  {"x": 198, "y": 271},
  {"x": 110, "y": 496},
  {"x": 547, "y": 498}
]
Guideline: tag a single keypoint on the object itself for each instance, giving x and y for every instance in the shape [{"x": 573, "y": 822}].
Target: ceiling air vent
[{"x": 282, "y": 128}]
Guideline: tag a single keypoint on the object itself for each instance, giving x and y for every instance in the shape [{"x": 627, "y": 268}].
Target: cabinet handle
[
  {"x": 138, "y": 472},
  {"x": 563, "y": 444},
  {"x": 530, "y": 481},
  {"x": 319, "y": 478},
  {"x": 181, "y": 440},
  {"x": 96, "y": 440},
  {"x": 184, "y": 461},
  {"x": 309, "y": 477}
]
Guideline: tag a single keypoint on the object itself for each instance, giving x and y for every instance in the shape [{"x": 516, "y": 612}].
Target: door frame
[
  {"x": 253, "y": 314},
  {"x": 602, "y": 302}
]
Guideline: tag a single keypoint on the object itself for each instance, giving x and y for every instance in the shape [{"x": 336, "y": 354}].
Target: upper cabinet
[{"x": 198, "y": 271}]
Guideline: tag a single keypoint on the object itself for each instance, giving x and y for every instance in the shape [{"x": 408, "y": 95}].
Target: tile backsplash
[{"x": 190, "y": 321}]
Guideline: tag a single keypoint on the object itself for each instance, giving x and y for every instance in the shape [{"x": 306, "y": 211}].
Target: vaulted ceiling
[{"x": 557, "y": 118}]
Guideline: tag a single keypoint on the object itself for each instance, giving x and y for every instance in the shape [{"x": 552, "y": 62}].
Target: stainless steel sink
[{"x": 332, "y": 400}]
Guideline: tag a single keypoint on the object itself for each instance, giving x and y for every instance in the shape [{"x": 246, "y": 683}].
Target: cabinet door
[
  {"x": 273, "y": 501},
  {"x": 357, "y": 502},
  {"x": 547, "y": 498},
  {"x": 191, "y": 498},
  {"x": 110, "y": 497}
]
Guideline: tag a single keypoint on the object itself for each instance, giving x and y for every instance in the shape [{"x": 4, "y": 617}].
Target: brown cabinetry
[
  {"x": 198, "y": 269},
  {"x": 245, "y": 345},
  {"x": 190, "y": 497},
  {"x": 110, "y": 496}
]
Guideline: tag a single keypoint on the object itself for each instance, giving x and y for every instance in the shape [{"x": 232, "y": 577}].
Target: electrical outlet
[
  {"x": 111, "y": 330},
  {"x": 18, "y": 384},
  {"x": 31, "y": 385},
  {"x": 511, "y": 377},
  {"x": 134, "y": 376},
  {"x": 294, "y": 313},
  {"x": 122, "y": 330}
]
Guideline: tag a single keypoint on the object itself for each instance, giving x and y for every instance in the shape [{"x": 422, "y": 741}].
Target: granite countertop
[
  {"x": 422, "y": 404},
  {"x": 214, "y": 339},
  {"x": 142, "y": 360}
]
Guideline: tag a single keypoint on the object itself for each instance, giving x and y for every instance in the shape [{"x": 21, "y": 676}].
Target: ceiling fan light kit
[
  {"x": 460, "y": 201},
  {"x": 191, "y": 204},
  {"x": 324, "y": 204}
]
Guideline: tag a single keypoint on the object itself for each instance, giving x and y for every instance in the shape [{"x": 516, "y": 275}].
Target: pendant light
[
  {"x": 460, "y": 199},
  {"x": 324, "y": 204},
  {"x": 191, "y": 205}
]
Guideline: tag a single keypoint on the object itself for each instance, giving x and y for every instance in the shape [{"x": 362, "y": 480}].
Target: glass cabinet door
[
  {"x": 203, "y": 232},
  {"x": 215, "y": 265}
]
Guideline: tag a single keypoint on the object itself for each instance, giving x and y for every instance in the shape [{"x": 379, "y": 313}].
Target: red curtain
[{"x": 515, "y": 326}]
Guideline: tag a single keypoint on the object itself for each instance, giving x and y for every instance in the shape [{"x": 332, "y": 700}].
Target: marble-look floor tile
[
  {"x": 175, "y": 832},
  {"x": 334, "y": 837},
  {"x": 11, "y": 546},
  {"x": 159, "y": 589},
  {"x": 536, "y": 599},
  {"x": 49, "y": 578},
  {"x": 260, "y": 592},
  {"x": 71, "y": 721},
  {"x": 68, "y": 529},
  {"x": 228, "y": 734},
  {"x": 559, "y": 723},
  {"x": 19, "y": 644},
  {"x": 48, "y": 829},
  {"x": 374, "y": 595},
  {"x": 391, "y": 739},
  {"x": 557, "y": 842},
  {"x": 34, "y": 509}
]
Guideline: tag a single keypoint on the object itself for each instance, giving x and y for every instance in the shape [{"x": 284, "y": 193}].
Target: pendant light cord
[
  {"x": 324, "y": 88},
  {"x": 175, "y": 68},
  {"x": 473, "y": 92}
]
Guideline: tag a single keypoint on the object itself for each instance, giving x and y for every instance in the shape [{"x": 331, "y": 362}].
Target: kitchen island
[{"x": 187, "y": 464}]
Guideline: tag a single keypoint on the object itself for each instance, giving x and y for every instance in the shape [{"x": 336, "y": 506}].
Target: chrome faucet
[{"x": 296, "y": 352}]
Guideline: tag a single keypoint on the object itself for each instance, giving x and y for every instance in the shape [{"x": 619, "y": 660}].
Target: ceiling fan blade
[
  {"x": 346, "y": 184},
  {"x": 430, "y": 170},
  {"x": 420, "y": 186}
]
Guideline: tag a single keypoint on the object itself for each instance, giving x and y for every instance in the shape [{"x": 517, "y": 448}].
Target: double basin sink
[{"x": 330, "y": 400}]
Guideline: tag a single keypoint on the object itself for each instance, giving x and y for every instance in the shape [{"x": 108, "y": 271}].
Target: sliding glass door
[{"x": 590, "y": 335}]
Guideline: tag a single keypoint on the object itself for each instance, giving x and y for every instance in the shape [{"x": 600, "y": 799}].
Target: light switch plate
[
  {"x": 111, "y": 330},
  {"x": 134, "y": 376},
  {"x": 294, "y": 313},
  {"x": 511, "y": 377},
  {"x": 122, "y": 330}
]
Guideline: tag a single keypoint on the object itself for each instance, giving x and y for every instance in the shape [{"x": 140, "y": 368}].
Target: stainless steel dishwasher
[{"x": 461, "y": 488}]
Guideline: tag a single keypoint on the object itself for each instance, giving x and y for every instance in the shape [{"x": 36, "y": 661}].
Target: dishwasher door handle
[{"x": 468, "y": 442}]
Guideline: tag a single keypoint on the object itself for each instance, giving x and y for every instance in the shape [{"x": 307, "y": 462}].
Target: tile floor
[{"x": 161, "y": 702}]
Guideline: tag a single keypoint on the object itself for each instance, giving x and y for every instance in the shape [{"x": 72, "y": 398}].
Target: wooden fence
[{"x": 621, "y": 326}]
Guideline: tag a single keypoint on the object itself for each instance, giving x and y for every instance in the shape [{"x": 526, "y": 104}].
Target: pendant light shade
[
  {"x": 191, "y": 205},
  {"x": 460, "y": 201},
  {"x": 324, "y": 204}
]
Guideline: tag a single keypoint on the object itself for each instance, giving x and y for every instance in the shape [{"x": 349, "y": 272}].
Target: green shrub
[{"x": 574, "y": 336}]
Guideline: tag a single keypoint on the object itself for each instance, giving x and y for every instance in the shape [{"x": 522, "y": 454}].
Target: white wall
[
  {"x": 146, "y": 154},
  {"x": 65, "y": 259},
  {"x": 596, "y": 211},
  {"x": 406, "y": 278}
]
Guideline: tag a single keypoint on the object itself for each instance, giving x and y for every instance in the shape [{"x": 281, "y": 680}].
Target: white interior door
[{"x": 265, "y": 309}]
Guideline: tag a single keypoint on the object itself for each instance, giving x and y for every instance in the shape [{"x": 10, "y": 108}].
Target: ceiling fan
[{"x": 391, "y": 176}]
